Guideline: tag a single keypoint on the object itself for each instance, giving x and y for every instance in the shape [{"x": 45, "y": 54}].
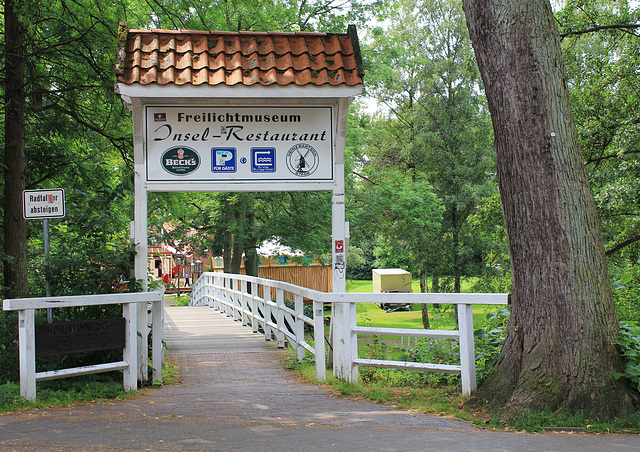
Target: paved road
[{"x": 235, "y": 395}]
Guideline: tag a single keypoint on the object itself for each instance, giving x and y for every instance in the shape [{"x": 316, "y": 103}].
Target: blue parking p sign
[
  {"x": 263, "y": 160},
  {"x": 223, "y": 160}
]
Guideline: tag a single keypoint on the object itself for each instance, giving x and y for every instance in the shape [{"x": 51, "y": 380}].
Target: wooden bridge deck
[{"x": 199, "y": 329}]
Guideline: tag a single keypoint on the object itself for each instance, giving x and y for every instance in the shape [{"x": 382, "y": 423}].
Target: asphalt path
[{"x": 235, "y": 394}]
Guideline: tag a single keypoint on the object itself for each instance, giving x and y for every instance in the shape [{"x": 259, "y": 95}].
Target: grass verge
[
  {"x": 75, "y": 390},
  {"x": 446, "y": 400}
]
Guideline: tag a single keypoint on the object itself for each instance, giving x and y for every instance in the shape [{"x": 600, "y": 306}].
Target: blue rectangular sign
[
  {"x": 263, "y": 160},
  {"x": 223, "y": 160}
]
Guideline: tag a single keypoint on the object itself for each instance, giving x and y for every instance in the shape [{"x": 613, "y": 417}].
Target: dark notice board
[{"x": 64, "y": 338}]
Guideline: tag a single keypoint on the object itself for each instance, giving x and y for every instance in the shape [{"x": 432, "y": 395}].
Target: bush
[
  {"x": 629, "y": 342},
  {"x": 488, "y": 342},
  {"x": 489, "y": 338}
]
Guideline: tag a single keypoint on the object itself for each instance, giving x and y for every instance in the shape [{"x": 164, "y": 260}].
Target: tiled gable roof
[{"x": 244, "y": 58}]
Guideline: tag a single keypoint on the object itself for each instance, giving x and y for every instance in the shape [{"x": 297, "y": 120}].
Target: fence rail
[
  {"x": 129, "y": 364},
  {"x": 243, "y": 298},
  {"x": 260, "y": 303}
]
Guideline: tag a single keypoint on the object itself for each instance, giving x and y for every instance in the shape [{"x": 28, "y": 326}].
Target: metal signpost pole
[
  {"x": 47, "y": 251},
  {"x": 44, "y": 204}
]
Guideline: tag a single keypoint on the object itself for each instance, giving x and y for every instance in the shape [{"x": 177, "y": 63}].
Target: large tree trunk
[
  {"x": 238, "y": 242},
  {"x": 559, "y": 351},
  {"x": 251, "y": 260},
  {"x": 15, "y": 161}
]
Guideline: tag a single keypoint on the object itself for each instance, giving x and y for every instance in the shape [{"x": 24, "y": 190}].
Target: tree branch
[
  {"x": 622, "y": 27},
  {"x": 623, "y": 244}
]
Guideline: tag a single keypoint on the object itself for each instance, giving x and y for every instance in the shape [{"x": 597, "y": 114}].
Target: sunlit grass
[{"x": 370, "y": 314}]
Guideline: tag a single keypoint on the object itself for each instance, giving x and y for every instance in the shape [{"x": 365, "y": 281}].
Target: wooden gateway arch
[{"x": 238, "y": 111}]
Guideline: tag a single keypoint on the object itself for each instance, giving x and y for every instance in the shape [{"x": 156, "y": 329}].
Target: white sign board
[
  {"x": 42, "y": 204},
  {"x": 239, "y": 144}
]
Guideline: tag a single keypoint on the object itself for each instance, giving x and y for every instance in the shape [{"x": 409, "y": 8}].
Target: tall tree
[
  {"x": 426, "y": 76},
  {"x": 15, "y": 159},
  {"x": 60, "y": 104},
  {"x": 560, "y": 350},
  {"x": 601, "y": 45}
]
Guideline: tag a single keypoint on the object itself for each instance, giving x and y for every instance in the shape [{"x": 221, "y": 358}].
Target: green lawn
[
  {"x": 356, "y": 285},
  {"x": 370, "y": 314}
]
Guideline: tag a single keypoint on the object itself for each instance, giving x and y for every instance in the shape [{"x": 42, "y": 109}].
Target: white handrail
[
  {"x": 129, "y": 364},
  {"x": 228, "y": 293},
  {"x": 243, "y": 298}
]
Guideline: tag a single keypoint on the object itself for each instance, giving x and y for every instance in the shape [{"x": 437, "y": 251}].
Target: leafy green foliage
[
  {"x": 629, "y": 342},
  {"x": 488, "y": 340},
  {"x": 432, "y": 128},
  {"x": 626, "y": 292},
  {"x": 238, "y": 15},
  {"x": 601, "y": 53}
]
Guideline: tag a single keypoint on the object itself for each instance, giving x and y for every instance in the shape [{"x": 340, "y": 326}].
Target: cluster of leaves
[
  {"x": 488, "y": 340},
  {"x": 629, "y": 342},
  {"x": 422, "y": 164},
  {"x": 489, "y": 337}
]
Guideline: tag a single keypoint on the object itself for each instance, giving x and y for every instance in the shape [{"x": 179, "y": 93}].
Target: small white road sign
[{"x": 42, "y": 204}]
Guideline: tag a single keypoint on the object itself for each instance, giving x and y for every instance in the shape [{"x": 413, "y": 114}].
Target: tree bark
[
  {"x": 455, "y": 229},
  {"x": 15, "y": 161},
  {"x": 238, "y": 241},
  {"x": 423, "y": 289},
  {"x": 227, "y": 238},
  {"x": 251, "y": 260},
  {"x": 559, "y": 351}
]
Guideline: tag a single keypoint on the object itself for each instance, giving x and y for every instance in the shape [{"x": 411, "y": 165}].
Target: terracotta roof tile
[{"x": 184, "y": 57}]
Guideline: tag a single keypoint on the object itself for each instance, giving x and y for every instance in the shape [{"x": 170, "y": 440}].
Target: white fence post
[
  {"x": 228, "y": 297},
  {"x": 216, "y": 293},
  {"x": 280, "y": 317},
  {"x": 345, "y": 342},
  {"x": 130, "y": 355},
  {"x": 255, "y": 293},
  {"x": 266, "y": 311},
  {"x": 318, "y": 334},
  {"x": 243, "y": 302},
  {"x": 157, "y": 354},
  {"x": 299, "y": 325},
  {"x": 467, "y": 353},
  {"x": 27, "y": 350},
  {"x": 237, "y": 299}
]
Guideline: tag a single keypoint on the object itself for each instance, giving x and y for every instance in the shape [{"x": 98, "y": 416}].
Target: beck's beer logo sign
[{"x": 180, "y": 160}]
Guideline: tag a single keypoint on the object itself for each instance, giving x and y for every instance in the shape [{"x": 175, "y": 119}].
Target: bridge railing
[
  {"x": 130, "y": 362},
  {"x": 251, "y": 300},
  {"x": 243, "y": 298}
]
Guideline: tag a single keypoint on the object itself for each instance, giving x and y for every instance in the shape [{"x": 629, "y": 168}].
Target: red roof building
[{"x": 169, "y": 58}]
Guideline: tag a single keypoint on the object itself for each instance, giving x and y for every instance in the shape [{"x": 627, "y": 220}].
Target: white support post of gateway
[
  {"x": 254, "y": 128},
  {"x": 345, "y": 343}
]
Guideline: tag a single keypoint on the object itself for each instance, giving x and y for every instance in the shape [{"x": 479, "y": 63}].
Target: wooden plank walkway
[{"x": 200, "y": 329}]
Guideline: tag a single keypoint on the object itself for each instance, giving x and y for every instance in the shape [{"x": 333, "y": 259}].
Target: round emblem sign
[
  {"x": 302, "y": 160},
  {"x": 180, "y": 161}
]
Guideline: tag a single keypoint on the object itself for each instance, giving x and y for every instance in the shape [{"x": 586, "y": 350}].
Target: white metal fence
[{"x": 261, "y": 303}]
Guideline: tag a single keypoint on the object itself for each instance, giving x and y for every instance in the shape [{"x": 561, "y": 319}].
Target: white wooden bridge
[
  {"x": 260, "y": 304},
  {"x": 257, "y": 305}
]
